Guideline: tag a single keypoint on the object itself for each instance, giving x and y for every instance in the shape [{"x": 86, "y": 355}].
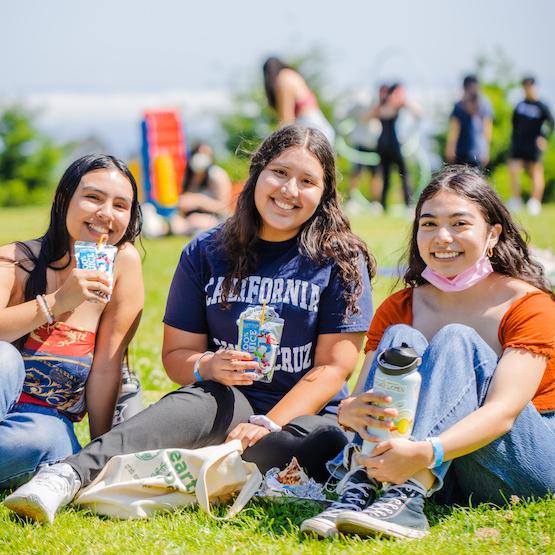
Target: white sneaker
[
  {"x": 376, "y": 208},
  {"x": 356, "y": 491},
  {"x": 352, "y": 207},
  {"x": 534, "y": 206},
  {"x": 514, "y": 204},
  {"x": 40, "y": 498}
]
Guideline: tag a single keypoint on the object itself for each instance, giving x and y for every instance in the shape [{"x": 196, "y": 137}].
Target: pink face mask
[{"x": 471, "y": 276}]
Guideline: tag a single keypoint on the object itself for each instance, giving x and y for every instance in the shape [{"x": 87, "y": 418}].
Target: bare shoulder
[
  {"x": 128, "y": 257},
  {"x": 128, "y": 280},
  {"x": 8, "y": 268},
  {"x": 15, "y": 264},
  {"x": 128, "y": 265},
  {"x": 217, "y": 173},
  {"x": 20, "y": 250},
  {"x": 19, "y": 257},
  {"x": 288, "y": 76},
  {"x": 8, "y": 252},
  {"x": 514, "y": 287}
]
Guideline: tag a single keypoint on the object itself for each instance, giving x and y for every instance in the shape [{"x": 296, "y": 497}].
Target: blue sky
[{"x": 138, "y": 47}]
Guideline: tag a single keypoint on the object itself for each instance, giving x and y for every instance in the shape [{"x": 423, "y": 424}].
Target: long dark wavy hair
[
  {"x": 511, "y": 256},
  {"x": 326, "y": 236},
  {"x": 271, "y": 68},
  {"x": 55, "y": 243}
]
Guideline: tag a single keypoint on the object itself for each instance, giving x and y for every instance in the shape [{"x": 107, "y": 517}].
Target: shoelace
[
  {"x": 391, "y": 501},
  {"x": 351, "y": 497}
]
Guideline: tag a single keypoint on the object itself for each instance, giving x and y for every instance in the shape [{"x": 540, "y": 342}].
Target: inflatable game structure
[{"x": 163, "y": 159}]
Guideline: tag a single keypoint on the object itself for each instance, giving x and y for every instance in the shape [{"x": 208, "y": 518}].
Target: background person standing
[
  {"x": 532, "y": 126},
  {"x": 290, "y": 96},
  {"x": 365, "y": 138},
  {"x": 470, "y": 127},
  {"x": 389, "y": 147}
]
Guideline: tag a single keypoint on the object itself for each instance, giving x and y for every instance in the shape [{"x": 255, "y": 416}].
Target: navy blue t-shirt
[
  {"x": 308, "y": 296},
  {"x": 472, "y": 144}
]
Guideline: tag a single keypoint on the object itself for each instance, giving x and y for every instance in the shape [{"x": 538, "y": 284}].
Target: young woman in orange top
[{"x": 481, "y": 314}]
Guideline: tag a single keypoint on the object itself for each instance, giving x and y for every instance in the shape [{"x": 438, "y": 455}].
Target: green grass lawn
[{"x": 266, "y": 527}]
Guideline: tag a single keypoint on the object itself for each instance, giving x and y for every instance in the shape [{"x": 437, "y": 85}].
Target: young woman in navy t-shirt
[{"x": 287, "y": 245}]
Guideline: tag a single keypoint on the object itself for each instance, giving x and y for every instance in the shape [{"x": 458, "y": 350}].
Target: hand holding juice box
[
  {"x": 260, "y": 329},
  {"x": 96, "y": 256}
]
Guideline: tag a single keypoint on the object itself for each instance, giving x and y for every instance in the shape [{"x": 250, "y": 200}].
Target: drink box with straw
[
  {"x": 260, "y": 329},
  {"x": 96, "y": 256}
]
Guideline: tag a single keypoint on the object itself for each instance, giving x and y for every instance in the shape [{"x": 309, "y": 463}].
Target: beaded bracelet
[{"x": 42, "y": 303}]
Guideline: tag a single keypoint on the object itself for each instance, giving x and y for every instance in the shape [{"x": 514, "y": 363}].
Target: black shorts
[{"x": 525, "y": 153}]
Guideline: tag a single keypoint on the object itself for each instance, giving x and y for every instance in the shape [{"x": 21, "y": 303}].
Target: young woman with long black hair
[{"x": 61, "y": 340}]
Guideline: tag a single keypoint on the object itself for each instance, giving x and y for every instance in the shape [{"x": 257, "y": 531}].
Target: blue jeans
[
  {"x": 30, "y": 435},
  {"x": 457, "y": 368}
]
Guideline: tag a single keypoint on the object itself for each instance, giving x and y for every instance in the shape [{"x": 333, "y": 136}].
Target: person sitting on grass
[
  {"x": 287, "y": 245},
  {"x": 481, "y": 314},
  {"x": 62, "y": 336},
  {"x": 205, "y": 199}
]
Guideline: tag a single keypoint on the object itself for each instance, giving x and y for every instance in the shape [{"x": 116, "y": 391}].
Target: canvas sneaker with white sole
[
  {"x": 40, "y": 498},
  {"x": 398, "y": 513},
  {"x": 355, "y": 490}
]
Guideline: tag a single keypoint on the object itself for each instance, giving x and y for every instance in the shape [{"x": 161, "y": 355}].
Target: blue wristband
[
  {"x": 196, "y": 366},
  {"x": 438, "y": 451}
]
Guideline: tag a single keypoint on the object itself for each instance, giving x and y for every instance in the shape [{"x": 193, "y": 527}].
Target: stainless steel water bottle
[{"x": 397, "y": 376}]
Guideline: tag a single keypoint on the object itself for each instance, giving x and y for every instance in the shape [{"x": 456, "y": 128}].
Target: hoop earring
[{"x": 490, "y": 252}]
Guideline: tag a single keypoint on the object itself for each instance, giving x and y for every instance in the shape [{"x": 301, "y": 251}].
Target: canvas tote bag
[{"x": 140, "y": 484}]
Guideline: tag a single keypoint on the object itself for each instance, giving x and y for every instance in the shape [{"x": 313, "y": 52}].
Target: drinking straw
[
  {"x": 262, "y": 314},
  {"x": 102, "y": 240}
]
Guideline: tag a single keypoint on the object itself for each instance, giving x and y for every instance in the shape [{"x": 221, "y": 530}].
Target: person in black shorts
[{"x": 532, "y": 125}]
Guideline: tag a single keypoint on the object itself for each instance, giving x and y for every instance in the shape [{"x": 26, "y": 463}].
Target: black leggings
[
  {"x": 203, "y": 414},
  {"x": 388, "y": 159}
]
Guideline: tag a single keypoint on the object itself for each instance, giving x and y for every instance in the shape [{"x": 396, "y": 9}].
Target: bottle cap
[{"x": 397, "y": 361}]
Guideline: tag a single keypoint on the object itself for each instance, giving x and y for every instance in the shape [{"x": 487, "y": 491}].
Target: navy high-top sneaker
[
  {"x": 398, "y": 513},
  {"x": 355, "y": 491}
]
